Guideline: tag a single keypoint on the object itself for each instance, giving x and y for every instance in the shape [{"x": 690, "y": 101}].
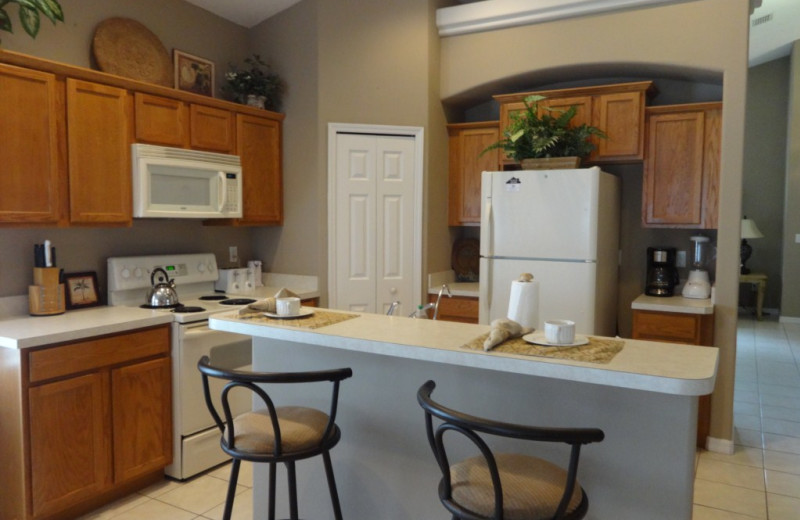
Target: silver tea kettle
[{"x": 163, "y": 293}]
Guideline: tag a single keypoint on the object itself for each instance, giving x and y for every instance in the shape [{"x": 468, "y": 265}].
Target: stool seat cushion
[
  {"x": 532, "y": 487},
  {"x": 301, "y": 429}
]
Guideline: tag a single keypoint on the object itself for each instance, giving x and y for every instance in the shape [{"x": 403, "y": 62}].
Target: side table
[{"x": 760, "y": 281}]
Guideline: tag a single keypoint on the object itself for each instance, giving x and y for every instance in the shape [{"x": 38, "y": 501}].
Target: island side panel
[{"x": 384, "y": 468}]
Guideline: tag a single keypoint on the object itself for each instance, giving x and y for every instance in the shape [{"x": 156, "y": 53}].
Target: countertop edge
[{"x": 541, "y": 367}]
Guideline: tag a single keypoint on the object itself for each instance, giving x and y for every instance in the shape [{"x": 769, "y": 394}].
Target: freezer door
[
  {"x": 540, "y": 214},
  {"x": 567, "y": 290}
]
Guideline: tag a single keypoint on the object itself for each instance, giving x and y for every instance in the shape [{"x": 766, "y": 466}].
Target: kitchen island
[{"x": 645, "y": 400}]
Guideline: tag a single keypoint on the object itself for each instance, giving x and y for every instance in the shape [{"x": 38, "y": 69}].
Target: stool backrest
[{"x": 470, "y": 426}]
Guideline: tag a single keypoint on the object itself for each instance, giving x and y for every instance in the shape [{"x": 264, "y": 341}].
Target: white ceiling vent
[{"x": 755, "y": 22}]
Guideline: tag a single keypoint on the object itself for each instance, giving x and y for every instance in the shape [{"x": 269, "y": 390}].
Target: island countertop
[{"x": 641, "y": 365}]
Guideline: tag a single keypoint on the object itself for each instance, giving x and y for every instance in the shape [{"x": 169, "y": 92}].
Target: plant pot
[
  {"x": 256, "y": 101},
  {"x": 551, "y": 163}
]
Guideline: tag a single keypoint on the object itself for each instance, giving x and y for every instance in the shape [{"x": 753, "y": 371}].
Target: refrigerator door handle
[{"x": 487, "y": 235}]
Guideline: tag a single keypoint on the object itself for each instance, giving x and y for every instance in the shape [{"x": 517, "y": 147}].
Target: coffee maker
[{"x": 662, "y": 276}]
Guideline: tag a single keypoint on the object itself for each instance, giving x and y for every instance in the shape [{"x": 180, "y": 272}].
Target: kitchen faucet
[
  {"x": 392, "y": 307},
  {"x": 439, "y": 297}
]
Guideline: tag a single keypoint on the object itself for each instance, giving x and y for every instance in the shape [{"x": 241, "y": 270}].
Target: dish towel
[{"x": 503, "y": 329}]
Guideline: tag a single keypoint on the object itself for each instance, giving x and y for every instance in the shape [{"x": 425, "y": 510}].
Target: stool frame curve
[
  {"x": 225, "y": 423},
  {"x": 468, "y": 426}
]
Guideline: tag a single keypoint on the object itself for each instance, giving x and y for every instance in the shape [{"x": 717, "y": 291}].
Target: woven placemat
[
  {"x": 598, "y": 350},
  {"x": 320, "y": 318},
  {"x": 125, "y": 47}
]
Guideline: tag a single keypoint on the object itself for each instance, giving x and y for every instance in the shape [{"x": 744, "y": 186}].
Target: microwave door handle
[{"x": 222, "y": 191}]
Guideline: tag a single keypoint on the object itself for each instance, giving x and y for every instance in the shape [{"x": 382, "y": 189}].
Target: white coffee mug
[
  {"x": 559, "y": 332},
  {"x": 288, "y": 306}
]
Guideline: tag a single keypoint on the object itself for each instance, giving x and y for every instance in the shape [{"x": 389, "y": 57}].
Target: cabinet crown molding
[{"x": 500, "y": 14}]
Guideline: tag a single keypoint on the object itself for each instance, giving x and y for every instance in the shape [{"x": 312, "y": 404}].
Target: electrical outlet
[
  {"x": 680, "y": 259},
  {"x": 233, "y": 253},
  {"x": 797, "y": 238}
]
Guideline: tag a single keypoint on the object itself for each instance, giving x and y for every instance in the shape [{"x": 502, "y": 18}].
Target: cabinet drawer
[
  {"x": 82, "y": 356},
  {"x": 663, "y": 326},
  {"x": 457, "y": 308}
]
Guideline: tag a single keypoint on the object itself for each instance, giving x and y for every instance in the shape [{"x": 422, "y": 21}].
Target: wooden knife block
[{"x": 46, "y": 296}]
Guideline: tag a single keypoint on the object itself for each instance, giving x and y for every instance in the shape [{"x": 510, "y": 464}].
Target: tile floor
[{"x": 760, "y": 480}]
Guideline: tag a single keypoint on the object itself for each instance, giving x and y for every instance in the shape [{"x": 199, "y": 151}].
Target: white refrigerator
[{"x": 562, "y": 226}]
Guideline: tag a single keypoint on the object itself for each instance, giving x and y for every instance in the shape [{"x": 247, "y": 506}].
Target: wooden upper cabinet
[
  {"x": 258, "y": 143},
  {"x": 211, "y": 129},
  {"x": 31, "y": 138},
  {"x": 161, "y": 120},
  {"x": 466, "y": 142},
  {"x": 99, "y": 132},
  {"x": 617, "y": 110},
  {"x": 621, "y": 117},
  {"x": 681, "y": 172}
]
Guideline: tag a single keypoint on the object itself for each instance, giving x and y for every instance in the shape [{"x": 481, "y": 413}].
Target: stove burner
[
  {"x": 187, "y": 308},
  {"x": 214, "y": 297},
  {"x": 237, "y": 301},
  {"x": 148, "y": 306}
]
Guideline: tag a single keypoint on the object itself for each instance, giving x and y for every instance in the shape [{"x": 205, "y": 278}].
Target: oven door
[{"x": 225, "y": 350}]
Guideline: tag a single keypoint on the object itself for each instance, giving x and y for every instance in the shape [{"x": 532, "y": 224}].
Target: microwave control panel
[{"x": 232, "y": 195}]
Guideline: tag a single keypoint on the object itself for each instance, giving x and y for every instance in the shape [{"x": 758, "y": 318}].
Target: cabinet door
[
  {"x": 258, "y": 143},
  {"x": 673, "y": 173},
  {"x": 621, "y": 117},
  {"x": 32, "y": 107},
  {"x": 211, "y": 129},
  {"x": 458, "y": 308},
  {"x": 466, "y": 163},
  {"x": 142, "y": 420},
  {"x": 161, "y": 120},
  {"x": 99, "y": 139},
  {"x": 70, "y": 442}
]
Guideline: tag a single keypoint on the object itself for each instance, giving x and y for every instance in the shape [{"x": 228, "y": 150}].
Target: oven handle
[{"x": 198, "y": 329}]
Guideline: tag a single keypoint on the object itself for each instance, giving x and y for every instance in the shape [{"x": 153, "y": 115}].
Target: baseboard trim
[{"x": 719, "y": 445}]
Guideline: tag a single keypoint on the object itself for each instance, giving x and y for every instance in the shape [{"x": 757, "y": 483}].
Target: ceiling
[{"x": 775, "y": 24}]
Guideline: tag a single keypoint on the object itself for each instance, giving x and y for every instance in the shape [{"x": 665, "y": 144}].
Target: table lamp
[{"x": 749, "y": 230}]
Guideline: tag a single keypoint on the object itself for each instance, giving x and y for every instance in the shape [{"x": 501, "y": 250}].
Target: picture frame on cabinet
[
  {"x": 81, "y": 289},
  {"x": 193, "y": 73}
]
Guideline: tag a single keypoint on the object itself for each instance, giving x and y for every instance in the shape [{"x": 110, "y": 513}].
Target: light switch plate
[{"x": 233, "y": 253}]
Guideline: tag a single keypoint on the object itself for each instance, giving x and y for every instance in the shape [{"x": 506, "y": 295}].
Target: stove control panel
[{"x": 133, "y": 272}]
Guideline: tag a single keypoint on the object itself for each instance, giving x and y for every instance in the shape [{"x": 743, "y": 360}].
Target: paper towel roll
[{"x": 523, "y": 304}]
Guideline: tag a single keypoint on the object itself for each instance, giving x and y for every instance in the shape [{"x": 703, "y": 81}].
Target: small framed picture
[
  {"x": 193, "y": 74},
  {"x": 81, "y": 289}
]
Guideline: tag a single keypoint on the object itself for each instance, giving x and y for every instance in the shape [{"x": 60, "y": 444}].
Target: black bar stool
[
  {"x": 273, "y": 434},
  {"x": 505, "y": 486}
]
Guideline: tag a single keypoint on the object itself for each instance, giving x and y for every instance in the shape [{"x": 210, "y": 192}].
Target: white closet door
[{"x": 375, "y": 186}]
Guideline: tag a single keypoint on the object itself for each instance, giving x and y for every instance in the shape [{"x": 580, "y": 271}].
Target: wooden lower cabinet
[
  {"x": 676, "y": 327},
  {"x": 458, "y": 308},
  {"x": 96, "y": 423}
]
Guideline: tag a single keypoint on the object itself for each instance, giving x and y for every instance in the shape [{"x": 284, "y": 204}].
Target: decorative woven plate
[
  {"x": 465, "y": 259},
  {"x": 127, "y": 48}
]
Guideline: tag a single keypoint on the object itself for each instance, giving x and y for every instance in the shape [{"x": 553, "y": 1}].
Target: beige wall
[
  {"x": 790, "y": 302},
  {"x": 700, "y": 39},
  {"x": 177, "y": 24},
  {"x": 764, "y": 176},
  {"x": 353, "y": 62}
]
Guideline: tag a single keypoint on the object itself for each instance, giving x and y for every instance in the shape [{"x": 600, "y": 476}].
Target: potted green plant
[
  {"x": 256, "y": 85},
  {"x": 546, "y": 133},
  {"x": 29, "y": 14}
]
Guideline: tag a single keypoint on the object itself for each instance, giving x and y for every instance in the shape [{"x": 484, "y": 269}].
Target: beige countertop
[
  {"x": 642, "y": 365},
  {"x": 677, "y": 304}
]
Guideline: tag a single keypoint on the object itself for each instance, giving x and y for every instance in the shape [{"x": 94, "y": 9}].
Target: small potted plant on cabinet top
[
  {"x": 255, "y": 85},
  {"x": 542, "y": 137}
]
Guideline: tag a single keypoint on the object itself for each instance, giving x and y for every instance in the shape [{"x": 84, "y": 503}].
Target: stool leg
[
  {"x": 226, "y": 515},
  {"x": 272, "y": 477},
  {"x": 292, "y": 489},
  {"x": 337, "y": 510}
]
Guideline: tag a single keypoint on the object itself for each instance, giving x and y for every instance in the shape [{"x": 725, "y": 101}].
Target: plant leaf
[
  {"x": 5, "y": 21},
  {"x": 30, "y": 20},
  {"x": 50, "y": 8}
]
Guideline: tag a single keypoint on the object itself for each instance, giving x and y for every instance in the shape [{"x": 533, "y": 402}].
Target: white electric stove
[{"x": 195, "y": 437}]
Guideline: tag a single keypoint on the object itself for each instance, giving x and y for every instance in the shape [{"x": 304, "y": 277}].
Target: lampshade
[{"x": 750, "y": 230}]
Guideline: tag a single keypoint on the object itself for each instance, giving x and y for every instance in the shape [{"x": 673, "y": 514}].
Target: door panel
[{"x": 374, "y": 191}]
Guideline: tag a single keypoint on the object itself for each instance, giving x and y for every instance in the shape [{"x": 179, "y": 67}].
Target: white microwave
[{"x": 180, "y": 183}]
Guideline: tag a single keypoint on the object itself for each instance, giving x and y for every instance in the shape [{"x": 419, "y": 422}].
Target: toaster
[{"x": 240, "y": 280}]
